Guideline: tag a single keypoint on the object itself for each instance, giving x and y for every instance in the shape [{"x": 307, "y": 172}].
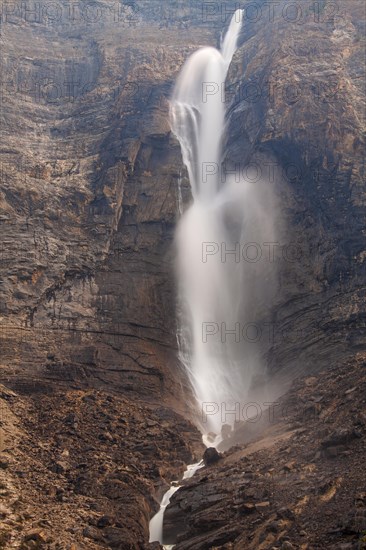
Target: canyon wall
[
  {"x": 89, "y": 198},
  {"x": 90, "y": 176}
]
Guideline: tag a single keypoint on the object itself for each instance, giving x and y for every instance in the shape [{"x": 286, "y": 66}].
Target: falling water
[{"x": 215, "y": 292}]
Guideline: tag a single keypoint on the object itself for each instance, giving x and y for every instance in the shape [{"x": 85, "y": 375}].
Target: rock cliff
[{"x": 88, "y": 205}]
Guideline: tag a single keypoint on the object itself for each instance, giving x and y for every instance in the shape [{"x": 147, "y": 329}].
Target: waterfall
[
  {"x": 224, "y": 213},
  {"x": 216, "y": 292}
]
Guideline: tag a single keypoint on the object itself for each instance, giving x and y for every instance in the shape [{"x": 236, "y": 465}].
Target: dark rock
[
  {"x": 247, "y": 508},
  {"x": 37, "y": 536},
  {"x": 285, "y": 513},
  {"x": 340, "y": 437},
  {"x": 104, "y": 521},
  {"x": 60, "y": 467},
  {"x": 273, "y": 527},
  {"x": 92, "y": 533},
  {"x": 211, "y": 456}
]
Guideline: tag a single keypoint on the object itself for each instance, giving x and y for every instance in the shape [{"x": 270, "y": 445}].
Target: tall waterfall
[{"x": 216, "y": 293}]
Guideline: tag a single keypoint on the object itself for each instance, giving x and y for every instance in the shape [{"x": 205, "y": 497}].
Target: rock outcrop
[{"x": 89, "y": 187}]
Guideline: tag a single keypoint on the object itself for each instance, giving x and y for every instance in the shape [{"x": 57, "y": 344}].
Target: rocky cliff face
[
  {"x": 89, "y": 201},
  {"x": 297, "y": 91},
  {"x": 89, "y": 197},
  {"x": 88, "y": 205}
]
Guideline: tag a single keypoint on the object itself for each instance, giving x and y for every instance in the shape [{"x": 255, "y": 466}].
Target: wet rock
[
  {"x": 211, "y": 456},
  {"x": 211, "y": 436},
  {"x": 226, "y": 431}
]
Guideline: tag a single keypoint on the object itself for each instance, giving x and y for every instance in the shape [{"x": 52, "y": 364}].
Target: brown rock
[
  {"x": 262, "y": 505},
  {"x": 39, "y": 537},
  {"x": 104, "y": 521}
]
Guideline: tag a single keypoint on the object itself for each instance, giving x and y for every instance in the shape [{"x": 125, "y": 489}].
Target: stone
[
  {"x": 104, "y": 521},
  {"x": 285, "y": 513},
  {"x": 4, "y": 511},
  {"x": 106, "y": 436},
  {"x": 211, "y": 456},
  {"x": 92, "y": 533},
  {"x": 247, "y": 508},
  {"x": 289, "y": 466},
  {"x": 273, "y": 527},
  {"x": 262, "y": 505},
  {"x": 37, "y": 536},
  {"x": 226, "y": 431},
  {"x": 60, "y": 466},
  {"x": 339, "y": 437}
]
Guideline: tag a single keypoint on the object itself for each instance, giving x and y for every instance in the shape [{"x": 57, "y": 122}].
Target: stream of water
[{"x": 156, "y": 523}]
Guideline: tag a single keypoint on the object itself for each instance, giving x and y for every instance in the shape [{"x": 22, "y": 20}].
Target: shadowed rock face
[
  {"x": 88, "y": 194},
  {"x": 296, "y": 94}
]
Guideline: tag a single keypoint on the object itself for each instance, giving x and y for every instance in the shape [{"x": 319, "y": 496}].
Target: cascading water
[
  {"x": 156, "y": 523},
  {"x": 215, "y": 293}
]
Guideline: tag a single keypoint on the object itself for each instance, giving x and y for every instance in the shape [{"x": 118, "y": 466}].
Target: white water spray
[{"x": 216, "y": 292}]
